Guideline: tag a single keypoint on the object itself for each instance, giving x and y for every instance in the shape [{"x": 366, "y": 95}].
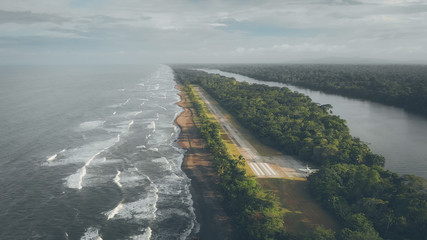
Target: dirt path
[
  {"x": 261, "y": 166},
  {"x": 214, "y": 223}
]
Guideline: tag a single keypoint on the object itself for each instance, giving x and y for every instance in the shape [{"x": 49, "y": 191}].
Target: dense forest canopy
[
  {"x": 256, "y": 213},
  {"x": 287, "y": 120},
  {"x": 373, "y": 203},
  {"x": 398, "y": 85}
]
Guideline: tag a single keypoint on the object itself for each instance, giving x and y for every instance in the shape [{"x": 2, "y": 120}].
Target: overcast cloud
[{"x": 139, "y": 31}]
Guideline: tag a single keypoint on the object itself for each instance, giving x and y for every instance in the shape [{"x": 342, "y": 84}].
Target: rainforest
[{"x": 373, "y": 203}]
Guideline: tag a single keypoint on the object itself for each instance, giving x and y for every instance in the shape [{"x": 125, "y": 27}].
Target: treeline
[
  {"x": 398, "y": 85},
  {"x": 370, "y": 201},
  {"x": 287, "y": 120},
  {"x": 257, "y": 214}
]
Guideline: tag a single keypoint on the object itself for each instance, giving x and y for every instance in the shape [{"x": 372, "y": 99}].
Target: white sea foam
[
  {"x": 121, "y": 89},
  {"x": 154, "y": 149},
  {"x": 83, "y": 169},
  {"x": 117, "y": 179},
  {"x": 156, "y": 196},
  {"x": 126, "y": 102},
  {"x": 130, "y": 124},
  {"x": 131, "y": 177},
  {"x": 162, "y": 107},
  {"x": 141, "y": 209},
  {"x": 90, "y": 125},
  {"x": 91, "y": 234},
  {"x": 165, "y": 161},
  {"x": 115, "y": 211},
  {"x": 143, "y": 205},
  {"x": 141, "y": 84},
  {"x": 176, "y": 115},
  {"x": 76, "y": 180},
  {"x": 53, "y": 157},
  {"x": 144, "y": 208},
  {"x": 160, "y": 160},
  {"x": 145, "y": 236},
  {"x": 194, "y": 224}
]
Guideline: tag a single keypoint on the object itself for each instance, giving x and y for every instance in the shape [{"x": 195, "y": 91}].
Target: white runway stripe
[
  {"x": 253, "y": 169},
  {"x": 262, "y": 169},
  {"x": 268, "y": 169},
  {"x": 257, "y": 170}
]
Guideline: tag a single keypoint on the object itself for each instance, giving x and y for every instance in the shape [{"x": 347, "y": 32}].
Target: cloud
[
  {"x": 28, "y": 17},
  {"x": 220, "y": 30},
  {"x": 218, "y": 25},
  {"x": 294, "y": 48}
]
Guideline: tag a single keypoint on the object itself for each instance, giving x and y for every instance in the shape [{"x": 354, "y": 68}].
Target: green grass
[
  {"x": 231, "y": 148},
  {"x": 302, "y": 212}
]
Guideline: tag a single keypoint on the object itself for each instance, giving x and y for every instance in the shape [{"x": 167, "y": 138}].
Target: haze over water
[
  {"x": 399, "y": 136},
  {"x": 89, "y": 153}
]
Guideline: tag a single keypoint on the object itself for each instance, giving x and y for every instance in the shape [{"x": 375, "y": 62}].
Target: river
[{"x": 399, "y": 136}]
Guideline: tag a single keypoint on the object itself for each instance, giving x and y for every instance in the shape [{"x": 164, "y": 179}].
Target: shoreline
[{"x": 204, "y": 188}]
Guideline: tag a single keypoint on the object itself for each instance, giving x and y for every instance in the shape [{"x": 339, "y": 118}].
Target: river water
[{"x": 399, "y": 136}]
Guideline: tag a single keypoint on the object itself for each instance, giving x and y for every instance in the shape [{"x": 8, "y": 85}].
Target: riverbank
[
  {"x": 389, "y": 131},
  {"x": 214, "y": 222}
]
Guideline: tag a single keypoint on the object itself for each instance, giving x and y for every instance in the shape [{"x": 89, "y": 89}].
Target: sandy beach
[{"x": 214, "y": 222}]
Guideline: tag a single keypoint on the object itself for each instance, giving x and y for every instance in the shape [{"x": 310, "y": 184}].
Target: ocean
[{"x": 90, "y": 152}]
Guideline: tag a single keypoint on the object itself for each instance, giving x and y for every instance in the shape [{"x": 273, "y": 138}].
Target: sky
[{"x": 211, "y": 31}]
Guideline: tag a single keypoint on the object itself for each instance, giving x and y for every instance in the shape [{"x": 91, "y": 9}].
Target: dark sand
[{"x": 214, "y": 222}]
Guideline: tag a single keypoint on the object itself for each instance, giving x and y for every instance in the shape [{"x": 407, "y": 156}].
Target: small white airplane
[{"x": 308, "y": 170}]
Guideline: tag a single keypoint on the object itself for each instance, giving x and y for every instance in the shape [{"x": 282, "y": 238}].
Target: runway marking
[
  {"x": 262, "y": 169},
  {"x": 259, "y": 169},
  {"x": 255, "y": 168},
  {"x": 253, "y": 158},
  {"x": 268, "y": 169}
]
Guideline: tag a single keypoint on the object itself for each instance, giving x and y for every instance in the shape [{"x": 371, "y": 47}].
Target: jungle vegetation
[
  {"x": 256, "y": 213},
  {"x": 373, "y": 203},
  {"x": 397, "y": 85}
]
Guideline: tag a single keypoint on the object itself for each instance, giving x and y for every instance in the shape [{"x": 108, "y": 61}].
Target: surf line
[
  {"x": 126, "y": 102},
  {"x": 117, "y": 179},
  {"x": 83, "y": 169},
  {"x": 53, "y": 157},
  {"x": 156, "y": 196},
  {"x": 130, "y": 124},
  {"x": 115, "y": 210}
]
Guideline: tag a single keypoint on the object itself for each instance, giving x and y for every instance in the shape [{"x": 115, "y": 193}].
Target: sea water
[{"x": 89, "y": 152}]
